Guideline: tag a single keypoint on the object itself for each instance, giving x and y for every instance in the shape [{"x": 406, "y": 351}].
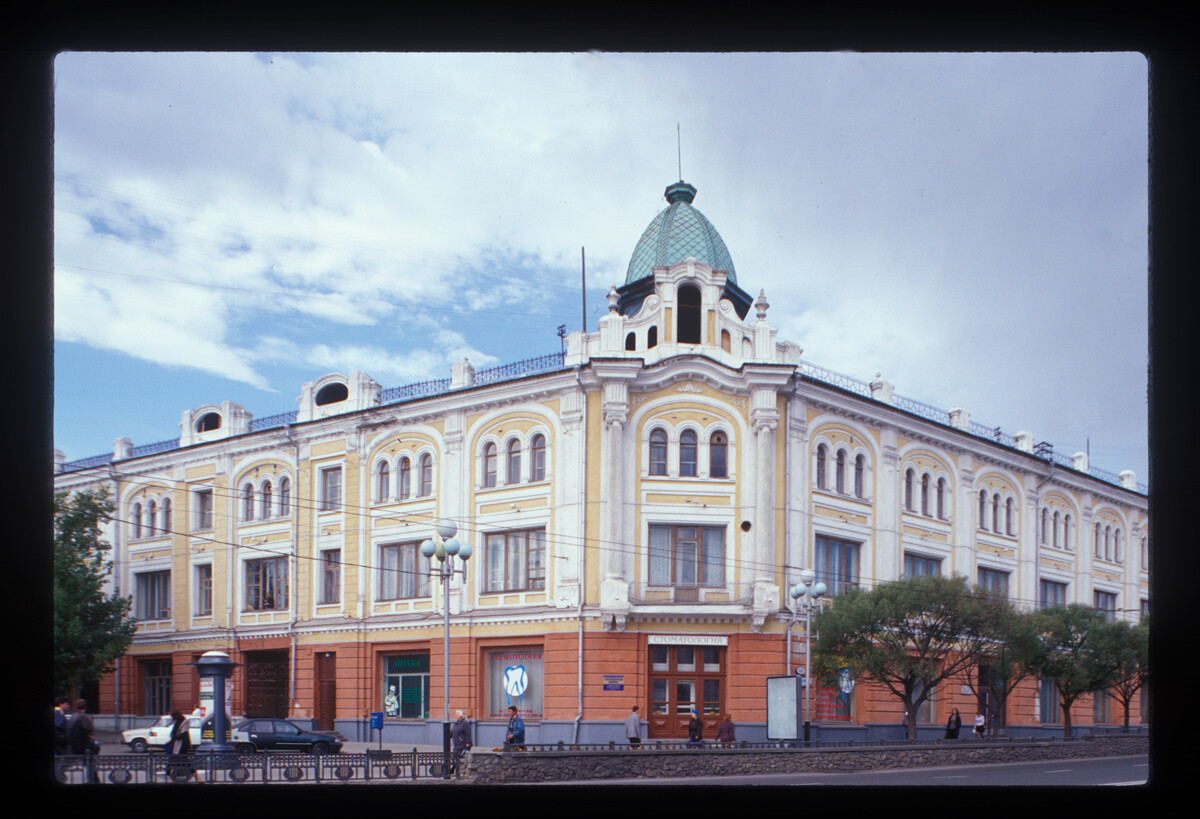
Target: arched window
[
  {"x": 689, "y": 322},
  {"x": 1096, "y": 550},
  {"x": 425, "y": 466},
  {"x": 248, "y": 502},
  {"x": 1008, "y": 516},
  {"x": 631, "y": 342},
  {"x": 925, "y": 494},
  {"x": 859, "y": 468},
  {"x": 1107, "y": 543},
  {"x": 1045, "y": 524},
  {"x": 489, "y": 464},
  {"x": 265, "y": 501},
  {"x": 983, "y": 509},
  {"x": 151, "y": 517},
  {"x": 821, "y": 466},
  {"x": 941, "y": 498},
  {"x": 383, "y": 481},
  {"x": 285, "y": 496},
  {"x": 512, "y": 458},
  {"x": 718, "y": 454},
  {"x": 726, "y": 341},
  {"x": 839, "y": 472},
  {"x": 658, "y": 452},
  {"x": 652, "y": 337},
  {"x": 405, "y": 476},
  {"x": 996, "y": 513},
  {"x": 1067, "y": 532},
  {"x": 166, "y": 515},
  {"x": 136, "y": 519},
  {"x": 538, "y": 456},
  {"x": 909, "y": 478},
  {"x": 1054, "y": 531},
  {"x": 1117, "y": 556},
  {"x": 687, "y": 454}
]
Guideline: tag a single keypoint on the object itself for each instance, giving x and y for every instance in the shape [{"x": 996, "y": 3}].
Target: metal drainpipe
[{"x": 582, "y": 569}]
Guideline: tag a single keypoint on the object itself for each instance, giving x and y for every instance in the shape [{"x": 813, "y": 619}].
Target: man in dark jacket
[
  {"x": 62, "y": 721},
  {"x": 516, "y": 730}
]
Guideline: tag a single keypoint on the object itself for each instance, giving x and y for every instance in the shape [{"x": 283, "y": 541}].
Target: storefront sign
[{"x": 686, "y": 640}]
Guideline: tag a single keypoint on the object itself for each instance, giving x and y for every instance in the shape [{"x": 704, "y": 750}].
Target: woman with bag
[{"x": 180, "y": 744}]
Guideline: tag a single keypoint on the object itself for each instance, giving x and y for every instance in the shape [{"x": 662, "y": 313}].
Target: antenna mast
[{"x": 678, "y": 152}]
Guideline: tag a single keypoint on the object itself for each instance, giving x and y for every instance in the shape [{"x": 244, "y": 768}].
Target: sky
[{"x": 229, "y": 226}]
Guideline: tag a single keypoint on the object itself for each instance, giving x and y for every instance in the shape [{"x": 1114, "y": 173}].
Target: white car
[{"x": 159, "y": 734}]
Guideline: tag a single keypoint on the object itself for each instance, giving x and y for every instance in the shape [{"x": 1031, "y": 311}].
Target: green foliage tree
[
  {"x": 91, "y": 627},
  {"x": 1013, "y": 656},
  {"x": 908, "y": 636},
  {"x": 1128, "y": 648},
  {"x": 1074, "y": 653}
]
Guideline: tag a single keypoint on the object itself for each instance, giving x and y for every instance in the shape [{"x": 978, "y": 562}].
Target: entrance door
[
  {"x": 326, "y": 690},
  {"x": 683, "y": 678}
]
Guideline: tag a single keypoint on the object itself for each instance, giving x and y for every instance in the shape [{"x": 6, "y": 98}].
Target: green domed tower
[{"x": 677, "y": 232}]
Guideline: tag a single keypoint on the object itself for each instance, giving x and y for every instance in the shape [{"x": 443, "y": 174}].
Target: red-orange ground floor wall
[{"x": 617, "y": 673}]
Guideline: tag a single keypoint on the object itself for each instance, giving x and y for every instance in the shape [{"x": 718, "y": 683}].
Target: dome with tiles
[{"x": 674, "y": 234}]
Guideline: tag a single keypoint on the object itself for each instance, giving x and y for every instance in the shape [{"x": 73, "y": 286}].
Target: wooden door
[{"x": 326, "y": 695}]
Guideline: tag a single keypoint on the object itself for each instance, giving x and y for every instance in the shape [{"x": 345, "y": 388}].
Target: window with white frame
[
  {"x": 993, "y": 582},
  {"x": 203, "y": 502},
  {"x": 166, "y": 516},
  {"x": 266, "y": 501},
  {"x": 839, "y": 472},
  {"x": 425, "y": 476},
  {"x": 515, "y": 561},
  {"x": 331, "y": 489},
  {"x": 403, "y": 572},
  {"x": 331, "y": 576},
  {"x": 686, "y": 556},
  {"x": 860, "y": 464},
  {"x": 151, "y": 518},
  {"x": 718, "y": 455},
  {"x": 921, "y": 566},
  {"x": 688, "y": 449},
  {"x": 383, "y": 482},
  {"x": 135, "y": 520},
  {"x": 537, "y": 450},
  {"x": 152, "y": 591},
  {"x": 204, "y": 589},
  {"x": 405, "y": 479},
  {"x": 822, "y": 455},
  {"x": 836, "y": 563},
  {"x": 248, "y": 502},
  {"x": 1052, "y": 593},
  {"x": 1105, "y": 603},
  {"x": 512, "y": 461},
  {"x": 658, "y": 452},
  {"x": 267, "y": 584},
  {"x": 490, "y": 461},
  {"x": 285, "y": 497}
]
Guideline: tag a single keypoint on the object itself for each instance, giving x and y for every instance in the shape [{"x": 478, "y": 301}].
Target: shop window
[
  {"x": 514, "y": 678},
  {"x": 406, "y": 686}
]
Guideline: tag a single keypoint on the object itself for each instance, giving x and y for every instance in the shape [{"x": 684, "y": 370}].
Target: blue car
[{"x": 270, "y": 734}]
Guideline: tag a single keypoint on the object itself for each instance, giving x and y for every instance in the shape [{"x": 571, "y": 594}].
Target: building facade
[{"x": 637, "y": 507}]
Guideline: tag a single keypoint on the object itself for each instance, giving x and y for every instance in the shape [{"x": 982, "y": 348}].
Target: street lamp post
[
  {"x": 812, "y": 594},
  {"x": 444, "y": 546}
]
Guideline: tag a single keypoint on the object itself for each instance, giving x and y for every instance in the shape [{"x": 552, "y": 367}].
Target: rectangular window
[
  {"x": 403, "y": 572},
  {"x": 685, "y": 556},
  {"x": 204, "y": 509},
  {"x": 515, "y": 561},
  {"x": 406, "y": 686},
  {"x": 1101, "y": 707},
  {"x": 1106, "y": 603},
  {"x": 331, "y": 488},
  {"x": 1051, "y": 593},
  {"x": 918, "y": 566},
  {"x": 156, "y": 686},
  {"x": 836, "y": 563},
  {"x": 153, "y": 595},
  {"x": 204, "y": 589},
  {"x": 331, "y": 576},
  {"x": 267, "y": 584},
  {"x": 514, "y": 677},
  {"x": 1048, "y": 705},
  {"x": 993, "y": 582}
]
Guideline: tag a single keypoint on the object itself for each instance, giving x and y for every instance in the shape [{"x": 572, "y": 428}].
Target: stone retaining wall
[{"x": 489, "y": 767}]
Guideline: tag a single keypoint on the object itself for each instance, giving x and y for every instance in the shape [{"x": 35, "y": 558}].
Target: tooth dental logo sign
[{"x": 515, "y": 682}]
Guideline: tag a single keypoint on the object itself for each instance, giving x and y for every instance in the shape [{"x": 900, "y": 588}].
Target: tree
[
  {"x": 908, "y": 636},
  {"x": 1013, "y": 657},
  {"x": 91, "y": 627},
  {"x": 1128, "y": 647},
  {"x": 1073, "y": 653}
]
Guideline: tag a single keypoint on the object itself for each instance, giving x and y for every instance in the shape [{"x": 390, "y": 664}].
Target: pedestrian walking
[
  {"x": 633, "y": 728},
  {"x": 515, "y": 737},
  {"x": 953, "y": 724},
  {"x": 695, "y": 730},
  {"x": 725, "y": 735},
  {"x": 179, "y": 748},
  {"x": 460, "y": 738},
  {"x": 79, "y": 736},
  {"x": 62, "y": 720},
  {"x": 980, "y": 724}
]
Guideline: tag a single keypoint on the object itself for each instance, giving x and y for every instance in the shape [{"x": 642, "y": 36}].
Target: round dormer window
[
  {"x": 208, "y": 422},
  {"x": 332, "y": 394}
]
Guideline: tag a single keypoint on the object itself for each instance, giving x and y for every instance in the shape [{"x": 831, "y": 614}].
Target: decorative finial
[
  {"x": 761, "y": 305},
  {"x": 613, "y": 297}
]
